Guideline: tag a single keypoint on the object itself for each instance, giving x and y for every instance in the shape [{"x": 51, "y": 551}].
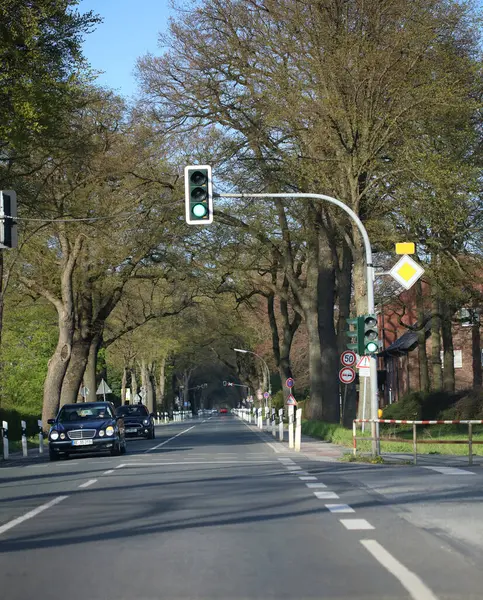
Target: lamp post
[{"x": 263, "y": 361}]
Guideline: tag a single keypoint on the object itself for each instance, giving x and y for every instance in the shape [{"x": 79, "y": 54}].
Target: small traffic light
[
  {"x": 357, "y": 335},
  {"x": 371, "y": 334},
  {"x": 198, "y": 195},
  {"x": 8, "y": 224}
]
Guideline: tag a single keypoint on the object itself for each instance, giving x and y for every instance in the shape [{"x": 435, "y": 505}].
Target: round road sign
[
  {"x": 348, "y": 358},
  {"x": 347, "y": 375},
  {"x": 290, "y": 382},
  {"x": 266, "y": 395}
]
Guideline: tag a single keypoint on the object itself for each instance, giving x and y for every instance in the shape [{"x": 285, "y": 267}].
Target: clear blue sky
[{"x": 130, "y": 30}]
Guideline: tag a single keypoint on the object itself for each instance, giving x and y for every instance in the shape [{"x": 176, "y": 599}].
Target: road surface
[{"x": 213, "y": 509}]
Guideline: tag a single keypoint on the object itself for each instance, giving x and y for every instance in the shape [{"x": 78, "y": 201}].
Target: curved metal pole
[
  {"x": 369, "y": 281},
  {"x": 242, "y": 351}
]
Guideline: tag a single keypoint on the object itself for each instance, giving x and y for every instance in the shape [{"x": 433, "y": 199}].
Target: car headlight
[
  {"x": 101, "y": 433},
  {"x": 110, "y": 430},
  {"x": 146, "y": 421},
  {"x": 54, "y": 435},
  {"x": 62, "y": 436}
]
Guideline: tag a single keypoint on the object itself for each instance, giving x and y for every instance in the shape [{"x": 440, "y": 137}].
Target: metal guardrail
[{"x": 469, "y": 441}]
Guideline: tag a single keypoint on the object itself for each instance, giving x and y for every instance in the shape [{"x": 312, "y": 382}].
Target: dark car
[
  {"x": 137, "y": 420},
  {"x": 86, "y": 427}
]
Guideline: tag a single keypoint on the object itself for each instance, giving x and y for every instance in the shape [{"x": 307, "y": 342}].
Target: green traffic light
[
  {"x": 199, "y": 210},
  {"x": 372, "y": 347}
]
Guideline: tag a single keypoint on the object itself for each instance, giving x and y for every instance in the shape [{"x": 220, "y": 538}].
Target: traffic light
[
  {"x": 198, "y": 195},
  {"x": 8, "y": 224},
  {"x": 357, "y": 335},
  {"x": 371, "y": 334}
]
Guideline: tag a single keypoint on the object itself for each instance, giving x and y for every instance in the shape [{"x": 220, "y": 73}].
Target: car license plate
[
  {"x": 131, "y": 430},
  {"x": 82, "y": 442}
]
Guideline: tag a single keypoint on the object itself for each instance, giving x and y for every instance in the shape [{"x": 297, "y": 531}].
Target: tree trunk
[
  {"x": 476, "y": 350},
  {"x": 75, "y": 371},
  {"x": 448, "y": 351},
  {"x": 327, "y": 337},
  {"x": 160, "y": 386},
  {"x": 134, "y": 384},
  {"x": 424, "y": 381},
  {"x": 436, "y": 345},
  {"x": 123, "y": 385},
  {"x": 90, "y": 375},
  {"x": 57, "y": 367},
  {"x": 314, "y": 409}
]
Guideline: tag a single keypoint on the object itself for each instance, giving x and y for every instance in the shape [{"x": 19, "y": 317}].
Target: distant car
[
  {"x": 223, "y": 411},
  {"x": 86, "y": 427},
  {"x": 137, "y": 420}
]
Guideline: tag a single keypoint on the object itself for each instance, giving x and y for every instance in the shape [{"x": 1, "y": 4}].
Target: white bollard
[
  {"x": 5, "y": 439},
  {"x": 274, "y": 425},
  {"x": 41, "y": 437},
  {"x": 298, "y": 429},
  {"x": 23, "y": 424},
  {"x": 260, "y": 419},
  {"x": 290, "y": 427},
  {"x": 280, "y": 424}
]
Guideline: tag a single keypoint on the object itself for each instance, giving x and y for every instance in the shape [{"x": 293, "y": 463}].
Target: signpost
[
  {"x": 84, "y": 391},
  {"x": 347, "y": 375}
]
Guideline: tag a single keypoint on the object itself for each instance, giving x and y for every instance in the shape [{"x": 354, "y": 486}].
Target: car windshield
[
  {"x": 85, "y": 413},
  {"x": 132, "y": 411}
]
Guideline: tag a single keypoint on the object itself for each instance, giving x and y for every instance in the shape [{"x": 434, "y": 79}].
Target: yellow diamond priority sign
[{"x": 406, "y": 271}]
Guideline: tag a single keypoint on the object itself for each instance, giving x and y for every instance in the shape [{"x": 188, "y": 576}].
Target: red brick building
[{"x": 399, "y": 364}]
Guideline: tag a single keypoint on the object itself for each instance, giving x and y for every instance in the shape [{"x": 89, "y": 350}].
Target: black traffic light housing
[
  {"x": 198, "y": 195},
  {"x": 357, "y": 335},
  {"x": 371, "y": 335},
  {"x": 8, "y": 224}
]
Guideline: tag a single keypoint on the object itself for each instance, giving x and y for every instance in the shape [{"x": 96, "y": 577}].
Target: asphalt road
[{"x": 215, "y": 510}]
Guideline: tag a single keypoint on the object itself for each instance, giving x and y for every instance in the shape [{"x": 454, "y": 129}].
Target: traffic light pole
[{"x": 369, "y": 280}]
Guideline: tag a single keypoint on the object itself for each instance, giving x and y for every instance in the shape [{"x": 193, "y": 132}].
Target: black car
[
  {"x": 137, "y": 420},
  {"x": 86, "y": 427}
]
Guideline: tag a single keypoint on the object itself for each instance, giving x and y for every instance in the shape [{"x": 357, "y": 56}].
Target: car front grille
[{"x": 81, "y": 434}]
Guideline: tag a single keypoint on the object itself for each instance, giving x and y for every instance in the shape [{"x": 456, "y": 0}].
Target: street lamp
[{"x": 263, "y": 361}]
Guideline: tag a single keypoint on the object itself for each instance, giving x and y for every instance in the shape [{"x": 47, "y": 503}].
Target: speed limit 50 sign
[{"x": 348, "y": 358}]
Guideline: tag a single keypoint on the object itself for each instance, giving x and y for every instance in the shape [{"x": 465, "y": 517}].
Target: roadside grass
[
  {"x": 32, "y": 444},
  {"x": 342, "y": 436}
]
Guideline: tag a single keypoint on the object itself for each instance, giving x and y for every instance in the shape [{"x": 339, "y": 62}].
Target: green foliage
[
  {"x": 29, "y": 339},
  {"x": 435, "y": 406},
  {"x": 40, "y": 54}
]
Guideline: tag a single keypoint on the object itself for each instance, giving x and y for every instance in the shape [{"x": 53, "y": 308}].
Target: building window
[{"x": 458, "y": 359}]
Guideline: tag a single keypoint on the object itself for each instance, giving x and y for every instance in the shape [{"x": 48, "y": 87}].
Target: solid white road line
[
  {"x": 199, "y": 462},
  {"x": 168, "y": 440},
  {"x": 315, "y": 485},
  {"x": 88, "y": 483},
  {"x": 409, "y": 580},
  {"x": 31, "y": 514},
  {"x": 450, "y": 471},
  {"x": 339, "y": 508},
  {"x": 108, "y": 472},
  {"x": 308, "y": 478},
  {"x": 326, "y": 495},
  {"x": 356, "y": 524},
  {"x": 274, "y": 448}
]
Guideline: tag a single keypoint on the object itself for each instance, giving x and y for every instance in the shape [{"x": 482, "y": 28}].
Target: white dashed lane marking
[
  {"x": 409, "y": 580},
  {"x": 326, "y": 495},
  {"x": 315, "y": 485},
  {"x": 308, "y": 478},
  {"x": 339, "y": 508},
  {"x": 30, "y": 514},
  {"x": 356, "y": 524},
  {"x": 88, "y": 483}
]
